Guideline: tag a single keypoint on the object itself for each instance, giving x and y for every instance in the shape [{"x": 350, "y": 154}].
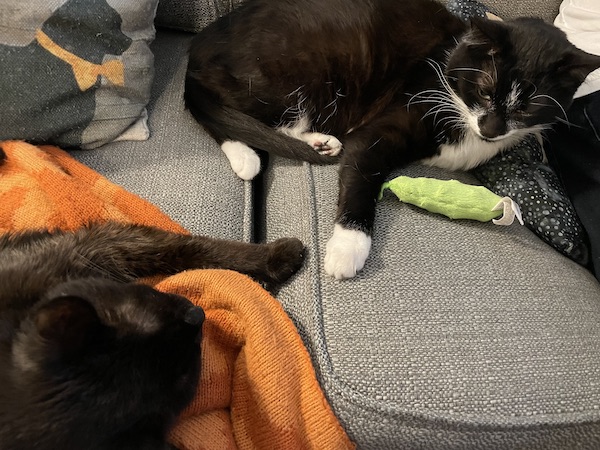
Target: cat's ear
[
  {"x": 489, "y": 35},
  {"x": 578, "y": 64},
  {"x": 68, "y": 323}
]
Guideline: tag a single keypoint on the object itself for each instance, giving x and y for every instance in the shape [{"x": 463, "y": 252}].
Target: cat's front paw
[
  {"x": 243, "y": 160},
  {"x": 324, "y": 143},
  {"x": 346, "y": 252},
  {"x": 285, "y": 258}
]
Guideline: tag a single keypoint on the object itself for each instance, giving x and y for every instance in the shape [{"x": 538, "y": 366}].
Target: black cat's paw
[{"x": 285, "y": 258}]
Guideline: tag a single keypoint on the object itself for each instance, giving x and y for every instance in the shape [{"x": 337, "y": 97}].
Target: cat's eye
[{"x": 484, "y": 94}]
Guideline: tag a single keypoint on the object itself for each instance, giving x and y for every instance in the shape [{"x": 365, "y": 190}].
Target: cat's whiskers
[
  {"x": 472, "y": 69},
  {"x": 447, "y": 101},
  {"x": 550, "y": 98},
  {"x": 436, "y": 111},
  {"x": 495, "y": 77},
  {"x": 111, "y": 274},
  {"x": 569, "y": 124},
  {"x": 294, "y": 92}
]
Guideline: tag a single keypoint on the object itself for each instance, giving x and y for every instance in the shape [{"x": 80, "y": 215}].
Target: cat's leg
[
  {"x": 244, "y": 161},
  {"x": 325, "y": 144},
  {"x": 361, "y": 176},
  {"x": 126, "y": 252},
  {"x": 143, "y": 251}
]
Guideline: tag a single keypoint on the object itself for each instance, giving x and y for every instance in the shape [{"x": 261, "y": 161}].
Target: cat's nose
[
  {"x": 492, "y": 126},
  {"x": 194, "y": 316}
]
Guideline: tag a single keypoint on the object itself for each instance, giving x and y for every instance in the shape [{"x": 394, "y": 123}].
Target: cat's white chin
[
  {"x": 473, "y": 150},
  {"x": 346, "y": 252}
]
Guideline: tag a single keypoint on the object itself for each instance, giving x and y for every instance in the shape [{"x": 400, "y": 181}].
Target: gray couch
[{"x": 456, "y": 335}]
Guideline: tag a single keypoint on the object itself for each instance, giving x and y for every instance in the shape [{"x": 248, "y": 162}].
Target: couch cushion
[
  {"x": 457, "y": 334},
  {"x": 75, "y": 72},
  {"x": 180, "y": 168}
]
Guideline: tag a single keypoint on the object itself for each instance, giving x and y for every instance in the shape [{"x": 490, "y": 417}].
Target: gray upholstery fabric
[
  {"x": 456, "y": 335},
  {"x": 180, "y": 168}
]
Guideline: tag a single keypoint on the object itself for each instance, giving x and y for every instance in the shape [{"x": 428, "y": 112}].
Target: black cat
[
  {"x": 394, "y": 82},
  {"x": 90, "y": 360}
]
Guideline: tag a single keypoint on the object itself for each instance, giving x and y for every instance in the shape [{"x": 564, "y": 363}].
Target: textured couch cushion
[
  {"x": 75, "y": 72},
  {"x": 457, "y": 334},
  {"x": 180, "y": 168}
]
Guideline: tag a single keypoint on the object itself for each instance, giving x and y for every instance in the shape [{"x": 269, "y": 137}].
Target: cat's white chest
[{"x": 470, "y": 152}]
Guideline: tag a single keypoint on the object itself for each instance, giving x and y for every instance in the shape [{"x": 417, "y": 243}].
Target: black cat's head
[
  {"x": 101, "y": 357},
  {"x": 515, "y": 77}
]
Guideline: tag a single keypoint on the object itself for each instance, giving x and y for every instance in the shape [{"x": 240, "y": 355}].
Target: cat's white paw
[
  {"x": 244, "y": 161},
  {"x": 346, "y": 252},
  {"x": 323, "y": 143}
]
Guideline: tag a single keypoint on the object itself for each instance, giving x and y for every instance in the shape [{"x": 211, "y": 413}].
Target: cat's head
[
  {"x": 515, "y": 77},
  {"x": 103, "y": 355}
]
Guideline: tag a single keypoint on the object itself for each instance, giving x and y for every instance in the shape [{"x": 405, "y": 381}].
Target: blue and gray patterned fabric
[
  {"x": 521, "y": 174},
  {"x": 465, "y": 9}
]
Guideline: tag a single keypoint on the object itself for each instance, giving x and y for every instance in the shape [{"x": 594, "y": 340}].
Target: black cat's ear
[
  {"x": 578, "y": 64},
  {"x": 68, "y": 323},
  {"x": 490, "y": 35}
]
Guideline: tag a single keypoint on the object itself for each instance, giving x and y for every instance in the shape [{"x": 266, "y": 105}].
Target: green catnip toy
[{"x": 455, "y": 199}]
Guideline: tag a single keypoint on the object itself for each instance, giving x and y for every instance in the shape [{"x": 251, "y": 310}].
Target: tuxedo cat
[
  {"x": 375, "y": 85},
  {"x": 90, "y": 360}
]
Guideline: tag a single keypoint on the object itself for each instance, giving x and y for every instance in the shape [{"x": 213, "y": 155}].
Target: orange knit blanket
[{"x": 258, "y": 389}]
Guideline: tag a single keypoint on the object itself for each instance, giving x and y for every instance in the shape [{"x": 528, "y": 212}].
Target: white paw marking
[
  {"x": 346, "y": 252},
  {"x": 244, "y": 161},
  {"x": 325, "y": 144}
]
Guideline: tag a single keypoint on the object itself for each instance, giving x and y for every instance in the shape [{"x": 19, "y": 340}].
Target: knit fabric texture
[{"x": 258, "y": 389}]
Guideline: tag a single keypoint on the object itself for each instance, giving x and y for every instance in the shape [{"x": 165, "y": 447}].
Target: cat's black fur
[
  {"x": 394, "y": 81},
  {"x": 88, "y": 358}
]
